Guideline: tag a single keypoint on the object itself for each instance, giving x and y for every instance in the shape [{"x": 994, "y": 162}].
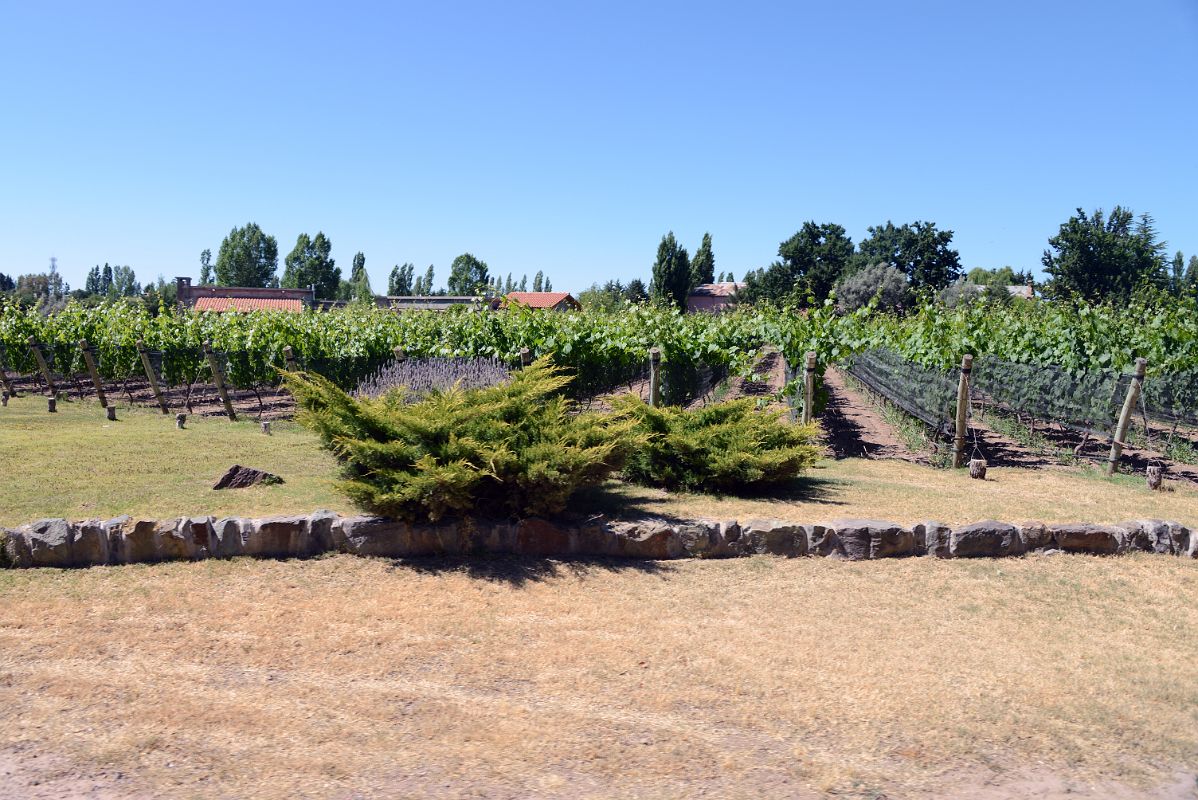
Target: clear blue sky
[{"x": 568, "y": 138}]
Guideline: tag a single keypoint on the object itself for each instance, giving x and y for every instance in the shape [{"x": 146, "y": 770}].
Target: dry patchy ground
[{"x": 1059, "y": 676}]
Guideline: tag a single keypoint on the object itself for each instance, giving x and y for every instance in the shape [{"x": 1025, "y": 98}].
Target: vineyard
[{"x": 1053, "y": 361}]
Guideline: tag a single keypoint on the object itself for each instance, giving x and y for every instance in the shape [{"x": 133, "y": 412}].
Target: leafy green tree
[
  {"x": 124, "y": 283},
  {"x": 523, "y": 283},
  {"x": 1177, "y": 281},
  {"x": 635, "y": 291},
  {"x": 812, "y": 261},
  {"x": 1192, "y": 276},
  {"x": 548, "y": 285},
  {"x": 205, "y": 267},
  {"x": 400, "y": 282},
  {"x": 309, "y": 264},
  {"x": 538, "y": 282},
  {"x": 423, "y": 286},
  {"x": 467, "y": 275},
  {"x": 247, "y": 257},
  {"x": 106, "y": 279},
  {"x": 1098, "y": 257},
  {"x": 703, "y": 263},
  {"x": 6, "y": 283},
  {"x": 607, "y": 298},
  {"x": 918, "y": 250},
  {"x": 91, "y": 285},
  {"x": 671, "y": 272},
  {"x": 881, "y": 281}
]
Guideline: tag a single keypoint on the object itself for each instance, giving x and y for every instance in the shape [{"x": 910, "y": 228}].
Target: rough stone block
[
  {"x": 776, "y": 538},
  {"x": 15, "y": 549},
  {"x": 986, "y": 539},
  {"x": 50, "y": 542},
  {"x": 1035, "y": 535},
  {"x": 862, "y": 539},
  {"x": 1086, "y": 537},
  {"x": 822, "y": 540},
  {"x": 648, "y": 539},
  {"x": 91, "y": 543},
  {"x": 230, "y": 534},
  {"x": 279, "y": 537},
  {"x": 172, "y": 540},
  {"x": 937, "y": 538},
  {"x": 202, "y": 535},
  {"x": 1148, "y": 535},
  {"x": 320, "y": 530},
  {"x": 374, "y": 536}
]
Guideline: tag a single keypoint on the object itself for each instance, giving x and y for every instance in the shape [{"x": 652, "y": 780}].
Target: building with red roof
[
  {"x": 242, "y": 298},
  {"x": 713, "y": 297},
  {"x": 555, "y": 301}
]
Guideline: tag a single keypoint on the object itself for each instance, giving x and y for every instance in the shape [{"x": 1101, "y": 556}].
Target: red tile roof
[
  {"x": 541, "y": 299},
  {"x": 726, "y": 289},
  {"x": 247, "y": 304}
]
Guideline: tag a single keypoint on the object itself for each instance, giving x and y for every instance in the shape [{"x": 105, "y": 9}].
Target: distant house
[
  {"x": 713, "y": 297},
  {"x": 1025, "y": 291},
  {"x": 555, "y": 301},
  {"x": 430, "y": 303},
  {"x": 412, "y": 302},
  {"x": 242, "y": 298}
]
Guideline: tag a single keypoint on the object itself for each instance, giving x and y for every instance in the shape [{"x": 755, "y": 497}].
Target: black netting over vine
[
  {"x": 1172, "y": 398},
  {"x": 1087, "y": 400},
  {"x": 927, "y": 394}
]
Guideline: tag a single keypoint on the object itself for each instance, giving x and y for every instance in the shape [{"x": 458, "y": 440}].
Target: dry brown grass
[
  {"x": 909, "y": 493},
  {"x": 755, "y": 678}
]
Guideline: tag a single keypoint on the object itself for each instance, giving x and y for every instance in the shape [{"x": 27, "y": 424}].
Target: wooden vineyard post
[
  {"x": 219, "y": 379},
  {"x": 654, "y": 377},
  {"x": 150, "y": 376},
  {"x": 962, "y": 411},
  {"x": 525, "y": 357},
  {"x": 93, "y": 372},
  {"x": 36, "y": 349},
  {"x": 809, "y": 389},
  {"x": 1129, "y": 407},
  {"x": 9, "y": 389},
  {"x": 289, "y": 357}
]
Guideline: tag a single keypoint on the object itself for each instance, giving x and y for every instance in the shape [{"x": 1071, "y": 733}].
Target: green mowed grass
[{"x": 76, "y": 464}]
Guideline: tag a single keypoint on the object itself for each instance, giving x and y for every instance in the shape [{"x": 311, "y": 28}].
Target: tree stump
[
  {"x": 112, "y": 413},
  {"x": 1156, "y": 474},
  {"x": 180, "y": 420},
  {"x": 52, "y": 405},
  {"x": 266, "y": 428},
  {"x": 977, "y": 469}
]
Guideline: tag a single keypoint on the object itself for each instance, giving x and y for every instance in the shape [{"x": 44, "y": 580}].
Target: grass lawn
[
  {"x": 1063, "y": 676},
  {"x": 75, "y": 464}
]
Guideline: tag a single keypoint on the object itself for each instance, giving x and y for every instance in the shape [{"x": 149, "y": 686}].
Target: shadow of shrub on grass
[{"x": 520, "y": 570}]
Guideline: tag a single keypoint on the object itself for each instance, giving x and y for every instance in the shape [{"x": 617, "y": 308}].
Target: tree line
[
  {"x": 1094, "y": 257},
  {"x": 249, "y": 257}
]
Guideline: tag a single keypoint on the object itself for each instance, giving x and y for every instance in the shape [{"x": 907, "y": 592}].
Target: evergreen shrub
[
  {"x": 721, "y": 447},
  {"x": 517, "y": 448}
]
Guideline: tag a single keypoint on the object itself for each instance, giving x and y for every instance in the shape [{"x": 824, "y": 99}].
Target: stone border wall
[{"x": 59, "y": 543}]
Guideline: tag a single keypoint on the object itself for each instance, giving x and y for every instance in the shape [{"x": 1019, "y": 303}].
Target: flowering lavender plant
[{"x": 420, "y": 376}]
